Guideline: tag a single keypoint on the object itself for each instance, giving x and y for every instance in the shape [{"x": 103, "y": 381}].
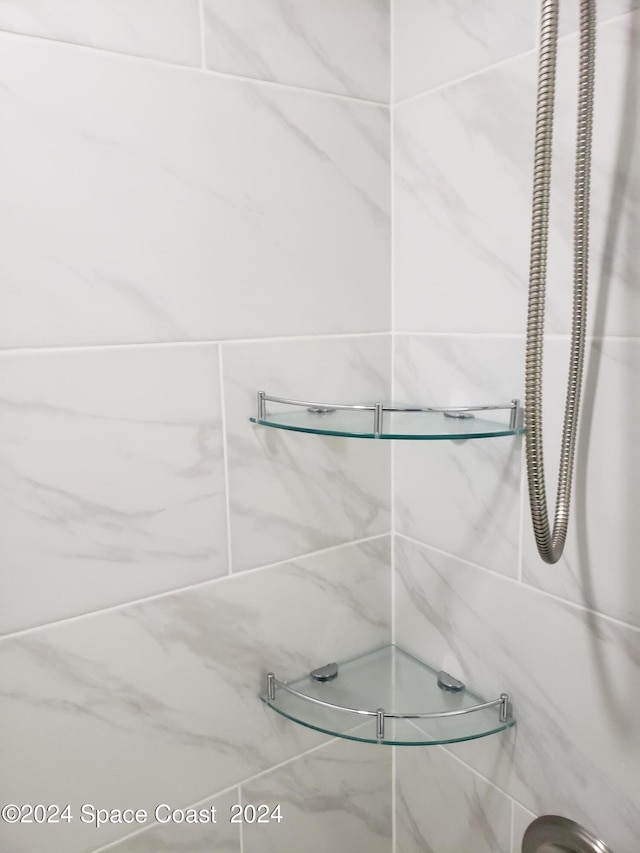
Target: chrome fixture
[
  {"x": 325, "y": 673},
  {"x": 380, "y": 714},
  {"x": 551, "y": 543},
  {"x": 552, "y": 833},
  {"x": 448, "y": 682}
]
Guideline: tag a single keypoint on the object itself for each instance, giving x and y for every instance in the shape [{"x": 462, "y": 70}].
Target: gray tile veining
[
  {"x": 330, "y": 46},
  {"x": 574, "y": 678},
  {"x": 113, "y": 477},
  {"x": 337, "y": 798},
  {"x": 158, "y": 701},
  {"x": 167, "y": 30},
  {"x": 155, "y": 208},
  {"x": 444, "y": 807},
  {"x": 292, "y": 493}
]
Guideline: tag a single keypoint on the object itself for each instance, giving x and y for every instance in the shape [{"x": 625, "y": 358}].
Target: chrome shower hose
[{"x": 551, "y": 542}]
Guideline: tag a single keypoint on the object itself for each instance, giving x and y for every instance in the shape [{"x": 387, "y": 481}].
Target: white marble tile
[
  {"x": 439, "y": 41},
  {"x": 598, "y": 568},
  {"x": 463, "y": 196},
  {"x": 113, "y": 477},
  {"x": 462, "y": 496},
  {"x": 330, "y": 46},
  {"x": 158, "y": 29},
  {"x": 292, "y": 493},
  {"x": 182, "y": 837},
  {"x": 573, "y": 678},
  {"x": 459, "y": 370},
  {"x": 462, "y": 204},
  {"x": 154, "y": 203},
  {"x": 158, "y": 702},
  {"x": 444, "y": 807},
  {"x": 337, "y": 798},
  {"x": 521, "y": 819}
]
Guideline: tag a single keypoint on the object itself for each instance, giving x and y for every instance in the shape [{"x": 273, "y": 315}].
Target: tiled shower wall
[
  {"x": 194, "y": 205},
  {"x": 470, "y": 591}
]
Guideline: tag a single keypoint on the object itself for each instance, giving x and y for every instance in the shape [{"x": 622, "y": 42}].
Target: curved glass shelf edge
[
  {"x": 421, "y": 738},
  {"x": 391, "y": 420},
  {"x": 389, "y": 678},
  {"x": 481, "y": 429}
]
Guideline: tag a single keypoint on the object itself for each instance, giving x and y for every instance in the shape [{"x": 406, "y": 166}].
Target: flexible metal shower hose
[{"x": 551, "y": 543}]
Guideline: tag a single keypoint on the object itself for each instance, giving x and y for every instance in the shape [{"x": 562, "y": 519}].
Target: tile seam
[
  {"x": 523, "y": 585},
  {"x": 184, "y": 589}
]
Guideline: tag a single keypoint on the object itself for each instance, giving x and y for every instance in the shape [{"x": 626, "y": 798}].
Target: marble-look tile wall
[
  {"x": 168, "y": 30},
  {"x": 135, "y": 191},
  {"x": 328, "y": 45},
  {"x": 191, "y": 211},
  {"x": 563, "y": 640},
  {"x": 195, "y": 204},
  {"x": 335, "y": 797}
]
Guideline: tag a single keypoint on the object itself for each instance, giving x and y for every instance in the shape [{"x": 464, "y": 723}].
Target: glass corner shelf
[
  {"x": 388, "y": 696},
  {"x": 390, "y": 420}
]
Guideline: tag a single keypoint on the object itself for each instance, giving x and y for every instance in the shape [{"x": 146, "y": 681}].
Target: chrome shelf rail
[
  {"x": 380, "y": 714},
  {"x": 387, "y": 696},
  {"x": 379, "y": 409}
]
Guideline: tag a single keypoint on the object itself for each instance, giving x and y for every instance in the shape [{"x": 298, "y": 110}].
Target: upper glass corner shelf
[
  {"x": 390, "y": 420},
  {"x": 388, "y": 696}
]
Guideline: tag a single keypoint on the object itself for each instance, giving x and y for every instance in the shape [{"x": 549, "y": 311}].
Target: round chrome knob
[{"x": 554, "y": 834}]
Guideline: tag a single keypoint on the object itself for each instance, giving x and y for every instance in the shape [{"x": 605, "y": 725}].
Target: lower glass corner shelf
[{"x": 388, "y": 696}]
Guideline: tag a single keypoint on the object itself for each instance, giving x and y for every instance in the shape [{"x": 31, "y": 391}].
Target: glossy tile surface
[
  {"x": 463, "y": 190},
  {"x": 462, "y": 497},
  {"x": 198, "y": 215},
  {"x": 158, "y": 701},
  {"x": 462, "y": 203},
  {"x": 521, "y": 819},
  {"x": 330, "y": 46},
  {"x": 113, "y": 477},
  {"x": 292, "y": 493},
  {"x": 168, "y": 30},
  {"x": 574, "y": 679},
  {"x": 444, "y": 807},
  {"x": 337, "y": 798},
  {"x": 439, "y": 41}
]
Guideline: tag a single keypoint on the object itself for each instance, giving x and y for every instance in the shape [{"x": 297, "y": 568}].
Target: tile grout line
[
  {"x": 533, "y": 589},
  {"x": 484, "y": 778},
  {"x": 191, "y": 587},
  {"x": 237, "y": 786},
  {"x": 203, "y": 46},
  {"x": 473, "y": 771},
  {"x": 472, "y": 75},
  {"x": 10, "y": 351},
  {"x": 225, "y": 458},
  {"x": 523, "y": 491},
  {"x": 447, "y": 752},
  {"x": 177, "y": 66},
  {"x": 518, "y": 336},
  {"x": 572, "y": 34},
  {"x": 283, "y": 339},
  {"x": 392, "y": 155},
  {"x": 392, "y": 11}
]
